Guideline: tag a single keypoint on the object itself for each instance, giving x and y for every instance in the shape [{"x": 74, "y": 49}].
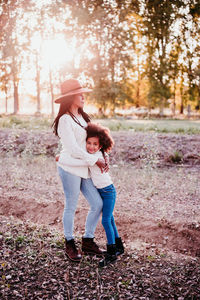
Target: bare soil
[{"x": 156, "y": 176}]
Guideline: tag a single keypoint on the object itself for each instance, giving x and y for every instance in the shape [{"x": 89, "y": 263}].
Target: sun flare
[
  {"x": 54, "y": 52},
  {"x": 57, "y": 51}
]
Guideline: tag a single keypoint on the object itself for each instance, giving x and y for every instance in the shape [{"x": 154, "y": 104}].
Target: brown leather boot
[
  {"x": 71, "y": 251},
  {"x": 90, "y": 247}
]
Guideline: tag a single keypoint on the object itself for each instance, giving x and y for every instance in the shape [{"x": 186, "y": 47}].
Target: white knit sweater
[
  {"x": 73, "y": 141},
  {"x": 100, "y": 180}
]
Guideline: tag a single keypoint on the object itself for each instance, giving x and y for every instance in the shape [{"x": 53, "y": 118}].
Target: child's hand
[
  {"x": 57, "y": 157},
  {"x": 101, "y": 164}
]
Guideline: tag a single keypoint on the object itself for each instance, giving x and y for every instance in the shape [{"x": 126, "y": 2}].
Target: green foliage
[
  {"x": 111, "y": 58},
  {"x": 125, "y": 47},
  {"x": 21, "y": 122},
  {"x": 177, "y": 157},
  {"x": 163, "y": 126},
  {"x": 157, "y": 19}
]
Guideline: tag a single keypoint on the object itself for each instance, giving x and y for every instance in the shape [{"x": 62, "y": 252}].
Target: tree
[
  {"x": 102, "y": 26},
  {"x": 132, "y": 52},
  {"x": 4, "y": 83},
  {"x": 138, "y": 56},
  {"x": 174, "y": 70},
  {"x": 195, "y": 13},
  {"x": 188, "y": 43},
  {"x": 12, "y": 44},
  {"x": 158, "y": 18}
]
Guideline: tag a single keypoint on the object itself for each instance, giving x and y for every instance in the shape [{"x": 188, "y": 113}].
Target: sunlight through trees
[{"x": 132, "y": 53}]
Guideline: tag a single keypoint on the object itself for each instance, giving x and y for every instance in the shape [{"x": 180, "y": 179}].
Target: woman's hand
[{"x": 101, "y": 164}]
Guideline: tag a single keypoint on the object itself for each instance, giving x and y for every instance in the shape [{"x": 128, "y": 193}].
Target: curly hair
[{"x": 105, "y": 140}]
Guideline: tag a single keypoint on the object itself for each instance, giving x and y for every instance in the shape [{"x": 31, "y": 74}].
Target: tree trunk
[
  {"x": 38, "y": 87},
  {"x": 161, "y": 112},
  {"x": 16, "y": 98},
  {"x": 182, "y": 106},
  {"x": 6, "y": 106},
  {"x": 15, "y": 86},
  {"x": 6, "y": 102},
  {"x": 113, "y": 94},
  {"x": 138, "y": 83},
  {"x": 174, "y": 102},
  {"x": 51, "y": 92},
  {"x": 181, "y": 93},
  {"x": 189, "y": 111},
  {"x": 137, "y": 104}
]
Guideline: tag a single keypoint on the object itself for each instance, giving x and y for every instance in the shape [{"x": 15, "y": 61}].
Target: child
[{"x": 99, "y": 142}]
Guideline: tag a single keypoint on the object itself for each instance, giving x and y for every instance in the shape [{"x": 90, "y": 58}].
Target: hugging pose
[{"x": 83, "y": 166}]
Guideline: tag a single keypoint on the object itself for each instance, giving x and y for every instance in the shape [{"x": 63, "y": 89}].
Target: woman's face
[{"x": 78, "y": 100}]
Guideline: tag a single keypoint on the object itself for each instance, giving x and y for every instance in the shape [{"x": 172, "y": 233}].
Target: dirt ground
[{"x": 156, "y": 176}]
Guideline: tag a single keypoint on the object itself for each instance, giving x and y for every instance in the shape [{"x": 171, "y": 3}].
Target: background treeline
[{"x": 134, "y": 53}]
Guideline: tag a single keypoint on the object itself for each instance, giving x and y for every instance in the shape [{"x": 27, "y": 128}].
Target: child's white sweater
[{"x": 99, "y": 179}]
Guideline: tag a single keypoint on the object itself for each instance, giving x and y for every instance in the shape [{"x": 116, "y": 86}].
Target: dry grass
[{"x": 149, "y": 199}]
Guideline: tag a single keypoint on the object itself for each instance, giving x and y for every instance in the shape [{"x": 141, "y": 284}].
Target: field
[
  {"x": 155, "y": 166},
  {"x": 156, "y": 125}
]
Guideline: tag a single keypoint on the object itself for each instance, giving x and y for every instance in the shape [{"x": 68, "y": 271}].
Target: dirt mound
[
  {"x": 156, "y": 208},
  {"x": 138, "y": 233},
  {"x": 158, "y": 149},
  {"x": 132, "y": 147}
]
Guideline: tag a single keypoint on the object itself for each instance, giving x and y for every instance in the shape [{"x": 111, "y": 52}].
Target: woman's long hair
[{"x": 65, "y": 108}]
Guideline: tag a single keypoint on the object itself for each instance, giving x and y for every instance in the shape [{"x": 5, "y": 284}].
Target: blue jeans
[
  {"x": 108, "y": 195},
  {"x": 72, "y": 185}
]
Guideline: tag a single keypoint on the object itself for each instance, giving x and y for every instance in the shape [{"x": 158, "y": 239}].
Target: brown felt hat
[{"x": 70, "y": 87}]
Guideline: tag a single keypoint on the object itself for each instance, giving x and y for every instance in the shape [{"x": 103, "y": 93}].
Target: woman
[{"x": 69, "y": 127}]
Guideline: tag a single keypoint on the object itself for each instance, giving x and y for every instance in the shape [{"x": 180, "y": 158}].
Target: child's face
[{"x": 92, "y": 145}]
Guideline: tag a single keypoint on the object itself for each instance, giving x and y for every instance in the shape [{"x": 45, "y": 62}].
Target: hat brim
[{"x": 79, "y": 91}]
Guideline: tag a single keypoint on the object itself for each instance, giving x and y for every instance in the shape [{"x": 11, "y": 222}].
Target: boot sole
[
  {"x": 73, "y": 259},
  {"x": 92, "y": 253},
  {"x": 110, "y": 263},
  {"x": 119, "y": 253}
]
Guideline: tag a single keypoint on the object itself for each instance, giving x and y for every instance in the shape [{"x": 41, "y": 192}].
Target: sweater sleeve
[
  {"x": 68, "y": 140},
  {"x": 73, "y": 162}
]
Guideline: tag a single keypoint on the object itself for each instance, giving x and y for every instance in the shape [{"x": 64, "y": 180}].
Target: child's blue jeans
[{"x": 108, "y": 195}]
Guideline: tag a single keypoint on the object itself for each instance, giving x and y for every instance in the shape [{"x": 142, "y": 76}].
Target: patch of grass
[
  {"x": 155, "y": 125},
  {"x": 162, "y": 126},
  {"x": 151, "y": 257},
  {"x": 26, "y": 122},
  {"x": 58, "y": 243},
  {"x": 177, "y": 157},
  {"x": 20, "y": 239},
  {"x": 9, "y": 240},
  {"x": 126, "y": 283}
]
